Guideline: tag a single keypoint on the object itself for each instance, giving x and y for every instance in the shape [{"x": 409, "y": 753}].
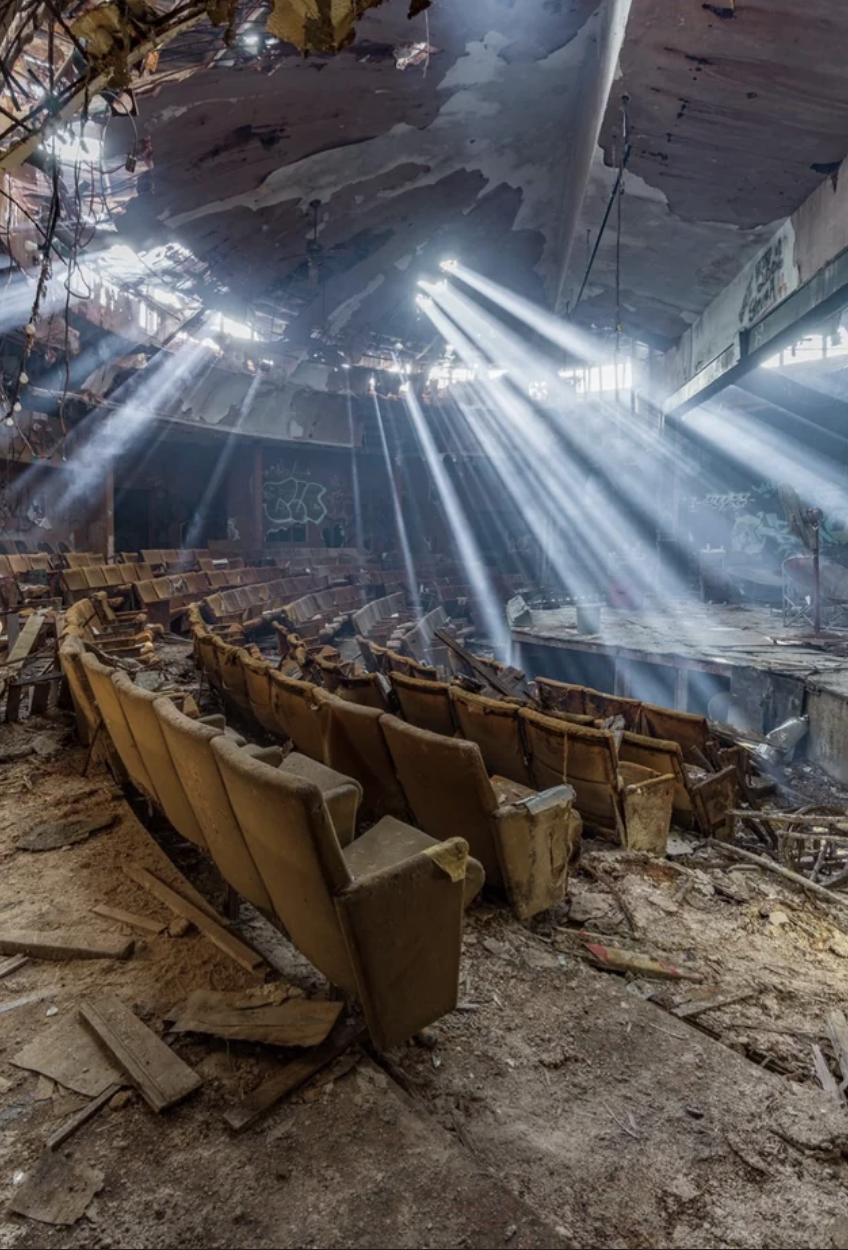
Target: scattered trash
[
  {"x": 58, "y": 1191},
  {"x": 69, "y": 1055},
  {"x": 57, "y": 833},
  {"x": 613, "y": 959}
]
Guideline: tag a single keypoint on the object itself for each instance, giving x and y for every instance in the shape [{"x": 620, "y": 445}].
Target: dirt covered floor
[{"x": 560, "y": 1105}]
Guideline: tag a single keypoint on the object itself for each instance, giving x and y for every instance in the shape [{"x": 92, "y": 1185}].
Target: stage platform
[{"x": 683, "y": 655}]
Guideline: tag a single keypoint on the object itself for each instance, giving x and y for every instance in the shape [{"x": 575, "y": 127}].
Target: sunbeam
[
  {"x": 197, "y": 525},
  {"x": 469, "y": 553},
  {"x": 400, "y": 523}
]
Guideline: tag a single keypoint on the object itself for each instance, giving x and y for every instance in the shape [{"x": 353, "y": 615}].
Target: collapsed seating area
[{"x": 346, "y": 804}]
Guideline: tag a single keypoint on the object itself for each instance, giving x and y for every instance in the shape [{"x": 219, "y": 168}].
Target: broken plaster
[{"x": 467, "y": 134}]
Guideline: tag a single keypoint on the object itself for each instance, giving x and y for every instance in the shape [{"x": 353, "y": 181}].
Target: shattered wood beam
[{"x": 87, "y": 88}]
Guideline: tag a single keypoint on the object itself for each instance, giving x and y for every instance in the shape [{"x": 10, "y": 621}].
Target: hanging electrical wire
[
  {"x": 625, "y": 144},
  {"x": 618, "y": 187}
]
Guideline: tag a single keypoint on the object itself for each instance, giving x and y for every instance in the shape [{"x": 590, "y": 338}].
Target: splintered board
[
  {"x": 160, "y": 1076},
  {"x": 213, "y": 929},
  {"x": 61, "y": 944}
]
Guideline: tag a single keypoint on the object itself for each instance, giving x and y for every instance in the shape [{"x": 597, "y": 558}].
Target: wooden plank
[
  {"x": 27, "y": 639},
  {"x": 826, "y": 1078},
  {"x": 798, "y": 818},
  {"x": 296, "y": 1022},
  {"x": 147, "y": 923},
  {"x": 13, "y": 701},
  {"x": 290, "y": 1078},
  {"x": 8, "y": 966},
  {"x": 61, "y": 944},
  {"x": 160, "y": 1076},
  {"x": 82, "y": 1116},
  {"x": 697, "y": 1006},
  {"x": 163, "y": 867},
  {"x": 837, "y": 1031},
  {"x": 40, "y": 698},
  {"x": 13, "y": 664},
  {"x": 491, "y": 679},
  {"x": 736, "y": 852},
  {"x": 214, "y": 930}
]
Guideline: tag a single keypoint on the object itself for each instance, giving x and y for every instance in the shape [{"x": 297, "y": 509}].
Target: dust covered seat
[
  {"x": 354, "y": 744},
  {"x": 426, "y": 704},
  {"x": 524, "y": 840},
  {"x": 388, "y": 934},
  {"x": 495, "y": 727}
]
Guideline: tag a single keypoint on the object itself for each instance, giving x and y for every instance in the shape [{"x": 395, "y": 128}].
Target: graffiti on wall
[
  {"x": 753, "y": 522},
  {"x": 292, "y": 496},
  {"x": 773, "y": 276},
  {"x": 289, "y": 498}
]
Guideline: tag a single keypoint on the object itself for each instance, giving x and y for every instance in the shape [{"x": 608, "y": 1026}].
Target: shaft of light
[
  {"x": 531, "y": 433},
  {"x": 562, "y": 333},
  {"x": 400, "y": 523},
  {"x": 198, "y": 521},
  {"x": 354, "y": 476},
  {"x": 123, "y": 428},
  {"x": 534, "y": 466},
  {"x": 493, "y": 619}
]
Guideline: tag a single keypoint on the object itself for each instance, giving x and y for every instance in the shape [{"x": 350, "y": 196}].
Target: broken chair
[
  {"x": 525, "y": 840},
  {"x": 383, "y": 924}
]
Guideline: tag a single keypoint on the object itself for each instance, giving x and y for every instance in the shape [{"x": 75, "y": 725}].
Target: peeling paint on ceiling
[{"x": 489, "y": 149}]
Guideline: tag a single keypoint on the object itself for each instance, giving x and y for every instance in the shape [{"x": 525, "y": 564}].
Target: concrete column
[
  {"x": 258, "y": 513},
  {"x": 109, "y": 510}
]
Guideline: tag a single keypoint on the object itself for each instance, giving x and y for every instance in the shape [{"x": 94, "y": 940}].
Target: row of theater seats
[
  {"x": 524, "y": 839},
  {"x": 383, "y": 618},
  {"x": 384, "y": 660},
  {"x": 629, "y": 784},
  {"x": 380, "y": 915},
  {"x": 19, "y": 565},
  {"x": 601, "y": 764}
]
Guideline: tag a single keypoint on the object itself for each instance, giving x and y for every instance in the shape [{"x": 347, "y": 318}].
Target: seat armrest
[
  {"x": 536, "y": 840},
  {"x": 266, "y": 755},
  {"x": 403, "y": 930},
  {"x": 216, "y": 721},
  {"x": 543, "y": 800}
]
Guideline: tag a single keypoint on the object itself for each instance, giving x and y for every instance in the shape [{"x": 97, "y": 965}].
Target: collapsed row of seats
[{"x": 379, "y": 914}]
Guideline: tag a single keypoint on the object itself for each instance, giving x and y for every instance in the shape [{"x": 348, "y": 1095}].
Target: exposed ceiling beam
[
  {"x": 804, "y": 401},
  {"x": 795, "y": 282},
  {"x": 88, "y": 86}
]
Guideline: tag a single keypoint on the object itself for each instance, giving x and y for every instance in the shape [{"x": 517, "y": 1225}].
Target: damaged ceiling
[
  {"x": 483, "y": 144},
  {"x": 466, "y": 150},
  {"x": 737, "y": 112},
  {"x": 311, "y": 192}
]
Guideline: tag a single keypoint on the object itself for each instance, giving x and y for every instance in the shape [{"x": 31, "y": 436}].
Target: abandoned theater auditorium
[{"x": 423, "y": 624}]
